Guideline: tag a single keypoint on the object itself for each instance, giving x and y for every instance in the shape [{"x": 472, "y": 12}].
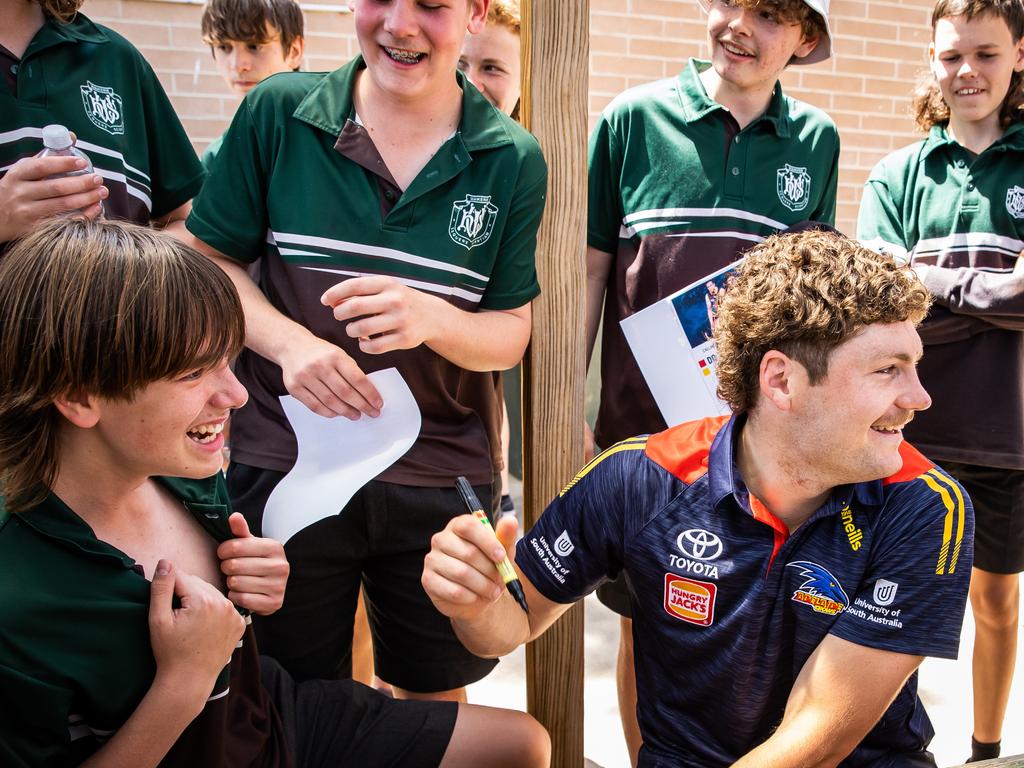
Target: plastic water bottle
[{"x": 57, "y": 143}]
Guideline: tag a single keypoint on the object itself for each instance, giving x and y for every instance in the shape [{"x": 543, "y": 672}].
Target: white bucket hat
[{"x": 823, "y": 49}]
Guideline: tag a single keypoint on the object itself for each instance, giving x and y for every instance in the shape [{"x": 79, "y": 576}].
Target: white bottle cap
[{"x": 56, "y": 137}]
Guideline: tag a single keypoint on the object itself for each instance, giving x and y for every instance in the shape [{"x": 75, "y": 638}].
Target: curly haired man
[{"x": 769, "y": 553}]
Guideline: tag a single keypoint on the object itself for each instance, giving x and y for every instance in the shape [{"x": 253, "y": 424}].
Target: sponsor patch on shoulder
[{"x": 690, "y": 600}]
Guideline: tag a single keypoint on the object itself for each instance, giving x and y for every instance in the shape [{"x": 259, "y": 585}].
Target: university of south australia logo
[
  {"x": 794, "y": 187},
  {"x": 1015, "y": 202},
  {"x": 472, "y": 221},
  {"x": 103, "y": 107}
]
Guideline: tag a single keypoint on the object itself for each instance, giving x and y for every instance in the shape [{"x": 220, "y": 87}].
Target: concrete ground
[{"x": 945, "y": 688}]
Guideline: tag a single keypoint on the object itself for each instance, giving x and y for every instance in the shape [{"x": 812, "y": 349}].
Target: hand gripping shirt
[
  {"x": 677, "y": 191},
  {"x": 90, "y": 79},
  {"x": 75, "y": 653},
  {"x": 298, "y": 186},
  {"x": 959, "y": 219},
  {"x": 727, "y": 606}
]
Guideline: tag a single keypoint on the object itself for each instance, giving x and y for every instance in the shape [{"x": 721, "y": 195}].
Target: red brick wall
[{"x": 879, "y": 49}]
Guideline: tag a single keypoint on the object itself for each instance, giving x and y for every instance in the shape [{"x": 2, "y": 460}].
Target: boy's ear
[
  {"x": 807, "y": 45},
  {"x": 293, "y": 56},
  {"x": 81, "y": 410},
  {"x": 477, "y": 16},
  {"x": 1018, "y": 65}
]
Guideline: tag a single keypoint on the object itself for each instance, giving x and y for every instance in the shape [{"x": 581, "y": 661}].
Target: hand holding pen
[
  {"x": 468, "y": 565},
  {"x": 505, "y": 569}
]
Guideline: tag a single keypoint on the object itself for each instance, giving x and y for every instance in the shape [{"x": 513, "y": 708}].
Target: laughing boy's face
[
  {"x": 171, "y": 427},
  {"x": 412, "y": 47}
]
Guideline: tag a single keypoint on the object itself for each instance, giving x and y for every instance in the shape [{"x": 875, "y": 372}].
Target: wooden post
[{"x": 555, "y": 43}]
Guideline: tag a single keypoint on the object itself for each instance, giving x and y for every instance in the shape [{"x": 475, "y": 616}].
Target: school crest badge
[
  {"x": 472, "y": 221},
  {"x": 794, "y": 187},
  {"x": 1015, "y": 202},
  {"x": 103, "y": 107}
]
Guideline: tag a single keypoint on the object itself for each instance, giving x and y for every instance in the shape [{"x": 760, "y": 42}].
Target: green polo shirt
[
  {"x": 959, "y": 219},
  {"x": 93, "y": 81},
  {"x": 295, "y": 187},
  {"x": 678, "y": 191},
  {"x": 75, "y": 654}
]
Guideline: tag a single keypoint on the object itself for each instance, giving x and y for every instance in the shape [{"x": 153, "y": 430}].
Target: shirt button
[
  {"x": 970, "y": 186},
  {"x": 389, "y": 194},
  {"x": 14, "y": 69},
  {"x": 735, "y": 171},
  {"x": 738, "y": 139}
]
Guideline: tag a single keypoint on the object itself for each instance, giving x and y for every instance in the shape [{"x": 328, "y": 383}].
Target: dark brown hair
[
  {"x": 247, "y": 21},
  {"x": 804, "y": 294},
  {"x": 101, "y": 308},
  {"x": 928, "y": 106},
  {"x": 61, "y": 10}
]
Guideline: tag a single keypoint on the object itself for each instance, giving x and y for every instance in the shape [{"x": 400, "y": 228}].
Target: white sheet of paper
[
  {"x": 669, "y": 362},
  {"x": 337, "y": 456}
]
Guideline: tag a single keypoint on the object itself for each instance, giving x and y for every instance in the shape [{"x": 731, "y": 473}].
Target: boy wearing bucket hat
[{"x": 685, "y": 174}]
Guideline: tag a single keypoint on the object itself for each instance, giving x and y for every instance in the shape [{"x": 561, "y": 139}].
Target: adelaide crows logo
[{"x": 820, "y": 589}]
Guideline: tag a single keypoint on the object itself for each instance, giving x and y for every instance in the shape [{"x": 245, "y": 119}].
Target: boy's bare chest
[{"x": 170, "y": 533}]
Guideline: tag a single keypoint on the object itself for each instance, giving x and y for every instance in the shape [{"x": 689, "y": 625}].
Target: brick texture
[{"x": 880, "y": 48}]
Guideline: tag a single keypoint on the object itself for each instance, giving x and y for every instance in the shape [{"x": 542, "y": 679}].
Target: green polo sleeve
[
  {"x": 176, "y": 172},
  {"x": 513, "y": 280},
  {"x": 604, "y": 206},
  {"x": 211, "y": 152},
  {"x": 230, "y": 214},
  {"x": 879, "y": 224},
  {"x": 826, "y": 210}
]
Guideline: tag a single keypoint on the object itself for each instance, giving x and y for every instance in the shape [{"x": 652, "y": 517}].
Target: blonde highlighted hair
[
  {"x": 100, "y": 308},
  {"x": 804, "y": 294},
  {"x": 505, "y": 13}
]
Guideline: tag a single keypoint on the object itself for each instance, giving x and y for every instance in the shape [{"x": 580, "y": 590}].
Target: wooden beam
[{"x": 555, "y": 44}]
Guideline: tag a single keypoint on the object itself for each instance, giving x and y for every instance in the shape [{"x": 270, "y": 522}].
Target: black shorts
[
  {"x": 331, "y": 723},
  {"x": 378, "y": 541},
  {"x": 998, "y": 499}
]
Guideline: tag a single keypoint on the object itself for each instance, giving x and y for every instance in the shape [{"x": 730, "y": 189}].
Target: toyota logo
[{"x": 699, "y": 544}]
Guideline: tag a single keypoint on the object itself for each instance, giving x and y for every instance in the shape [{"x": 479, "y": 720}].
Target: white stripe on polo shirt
[
  {"x": 735, "y": 213},
  {"x": 442, "y": 290},
  {"x": 369, "y": 250},
  {"x": 969, "y": 241}
]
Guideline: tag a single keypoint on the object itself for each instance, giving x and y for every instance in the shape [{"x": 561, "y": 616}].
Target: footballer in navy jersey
[
  {"x": 788, "y": 567},
  {"x": 728, "y": 605}
]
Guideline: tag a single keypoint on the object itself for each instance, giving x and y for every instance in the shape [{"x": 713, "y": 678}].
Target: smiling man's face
[{"x": 850, "y": 423}]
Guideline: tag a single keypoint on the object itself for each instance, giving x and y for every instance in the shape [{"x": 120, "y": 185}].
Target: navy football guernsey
[{"x": 727, "y": 605}]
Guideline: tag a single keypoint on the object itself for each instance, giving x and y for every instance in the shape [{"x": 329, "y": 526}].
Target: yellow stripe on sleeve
[
  {"x": 947, "y": 529},
  {"x": 632, "y": 444},
  {"x": 961, "y": 515}
]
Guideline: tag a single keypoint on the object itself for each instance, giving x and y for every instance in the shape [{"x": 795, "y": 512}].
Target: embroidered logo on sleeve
[
  {"x": 689, "y": 600},
  {"x": 564, "y": 545},
  {"x": 794, "y": 187},
  {"x": 472, "y": 221},
  {"x": 885, "y": 592},
  {"x": 103, "y": 107}
]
